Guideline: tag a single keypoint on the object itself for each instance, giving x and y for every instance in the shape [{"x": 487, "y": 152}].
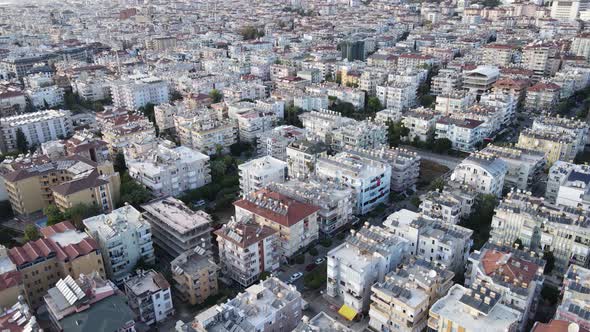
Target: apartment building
[
  {"x": 84, "y": 302},
  {"x": 568, "y": 185},
  {"x": 564, "y": 126},
  {"x": 446, "y": 81},
  {"x": 368, "y": 178},
  {"x": 84, "y": 143},
  {"x": 11, "y": 280},
  {"x": 465, "y": 134},
  {"x": 405, "y": 165},
  {"x": 504, "y": 102},
  {"x": 365, "y": 134},
  {"x": 274, "y": 142},
  {"x": 387, "y": 116},
  {"x": 194, "y": 275},
  {"x": 166, "y": 169},
  {"x": 454, "y": 102},
  {"x": 258, "y": 173},
  {"x": 46, "y": 96},
  {"x": 480, "y": 79},
  {"x": 516, "y": 87},
  {"x": 137, "y": 91},
  {"x": 362, "y": 260},
  {"x": 302, "y": 157},
  {"x": 62, "y": 251},
  {"x": 320, "y": 322},
  {"x": 517, "y": 275},
  {"x": 568, "y": 11},
  {"x": 37, "y": 127},
  {"x": 311, "y": 102},
  {"x": 91, "y": 88},
  {"x": 541, "y": 58},
  {"x": 397, "y": 95},
  {"x": 445, "y": 205},
  {"x": 335, "y": 202},
  {"x": 472, "y": 309},
  {"x": 556, "y": 146},
  {"x": 543, "y": 227},
  {"x": 164, "y": 114},
  {"x": 524, "y": 166},
  {"x": 542, "y": 96},
  {"x": 36, "y": 182},
  {"x": 148, "y": 294},
  {"x": 402, "y": 300},
  {"x": 206, "y": 133},
  {"x": 175, "y": 227},
  {"x": 247, "y": 249},
  {"x": 320, "y": 124},
  {"x": 483, "y": 172},
  {"x": 296, "y": 222},
  {"x": 123, "y": 128},
  {"x": 270, "y": 305},
  {"x": 446, "y": 245},
  {"x": 581, "y": 45},
  {"x": 124, "y": 238},
  {"x": 254, "y": 123},
  {"x": 498, "y": 54},
  {"x": 574, "y": 303},
  {"x": 421, "y": 122}
]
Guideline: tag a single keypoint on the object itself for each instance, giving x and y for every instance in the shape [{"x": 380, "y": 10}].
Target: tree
[
  {"x": 292, "y": 116},
  {"x": 119, "y": 163},
  {"x": 77, "y": 213},
  {"x": 437, "y": 184},
  {"x": 373, "y": 105},
  {"x": 250, "y": 32},
  {"x": 133, "y": 192},
  {"x": 53, "y": 214},
  {"x": 491, "y": 3},
  {"x": 550, "y": 261},
  {"x": 45, "y": 104},
  {"x": 31, "y": 233},
  {"x": 395, "y": 131},
  {"x": 215, "y": 95},
  {"x": 518, "y": 243},
  {"x": 415, "y": 200},
  {"x": 344, "y": 108},
  {"x": 442, "y": 145},
  {"x": 480, "y": 220},
  {"x": 175, "y": 95},
  {"x": 22, "y": 145}
]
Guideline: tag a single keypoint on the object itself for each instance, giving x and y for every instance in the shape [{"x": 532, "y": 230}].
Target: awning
[{"x": 347, "y": 312}]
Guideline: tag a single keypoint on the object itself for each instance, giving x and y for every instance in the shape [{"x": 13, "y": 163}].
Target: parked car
[
  {"x": 296, "y": 276},
  {"x": 310, "y": 267},
  {"x": 319, "y": 260}
]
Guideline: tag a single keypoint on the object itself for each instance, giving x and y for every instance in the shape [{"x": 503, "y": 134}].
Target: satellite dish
[
  {"x": 573, "y": 327},
  {"x": 432, "y": 274}
]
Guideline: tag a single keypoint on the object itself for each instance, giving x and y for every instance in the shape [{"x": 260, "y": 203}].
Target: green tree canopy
[
  {"x": 250, "y": 32},
  {"x": 132, "y": 192},
  {"x": 31, "y": 233},
  {"x": 215, "y": 95},
  {"x": 53, "y": 214},
  {"x": 22, "y": 145}
]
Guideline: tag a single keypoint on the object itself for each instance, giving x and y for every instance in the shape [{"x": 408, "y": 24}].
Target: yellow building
[
  {"x": 350, "y": 77},
  {"x": 555, "y": 146},
  {"x": 33, "y": 184},
  {"x": 195, "y": 276},
  {"x": 63, "y": 251}
]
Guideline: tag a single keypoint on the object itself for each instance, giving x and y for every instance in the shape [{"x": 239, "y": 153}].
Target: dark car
[{"x": 310, "y": 267}]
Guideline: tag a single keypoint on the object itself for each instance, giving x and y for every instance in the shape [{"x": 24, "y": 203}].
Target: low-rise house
[
  {"x": 362, "y": 260},
  {"x": 149, "y": 296}
]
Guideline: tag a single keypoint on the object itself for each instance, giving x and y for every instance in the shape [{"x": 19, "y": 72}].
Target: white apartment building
[
  {"x": 336, "y": 202},
  {"x": 302, "y": 157},
  {"x": 175, "y": 227},
  {"x": 125, "y": 238},
  {"x": 421, "y": 122},
  {"x": 246, "y": 249},
  {"x": 253, "y": 123},
  {"x": 504, "y": 103},
  {"x": 274, "y": 142},
  {"x": 362, "y": 260},
  {"x": 541, "y": 58},
  {"x": 574, "y": 303},
  {"x": 268, "y": 306},
  {"x": 370, "y": 179},
  {"x": 320, "y": 124},
  {"x": 134, "y": 92},
  {"x": 258, "y": 173},
  {"x": 166, "y": 169},
  {"x": 472, "y": 309},
  {"x": 568, "y": 185},
  {"x": 365, "y": 134},
  {"x": 465, "y": 134},
  {"x": 555, "y": 145},
  {"x": 445, "y": 245},
  {"x": 499, "y": 54},
  {"x": 524, "y": 166},
  {"x": 206, "y": 133},
  {"x": 92, "y": 89},
  {"x": 401, "y": 301},
  {"x": 568, "y": 11},
  {"x": 388, "y": 115},
  {"x": 370, "y": 79},
  {"x": 149, "y": 296},
  {"x": 564, "y": 126},
  {"x": 543, "y": 227},
  {"x": 581, "y": 45},
  {"x": 445, "y": 206},
  {"x": 483, "y": 172},
  {"x": 515, "y": 274},
  {"x": 295, "y": 221},
  {"x": 49, "y": 96},
  {"x": 542, "y": 96},
  {"x": 398, "y": 96},
  {"x": 454, "y": 102},
  {"x": 480, "y": 79},
  {"x": 164, "y": 114},
  {"x": 38, "y": 127},
  {"x": 447, "y": 81},
  {"x": 240, "y": 91},
  {"x": 311, "y": 102}
]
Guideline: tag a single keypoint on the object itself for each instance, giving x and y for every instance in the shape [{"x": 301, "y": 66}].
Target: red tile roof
[
  {"x": 295, "y": 210},
  {"x": 544, "y": 87},
  {"x": 554, "y": 325},
  {"x": 506, "y": 265},
  {"x": 10, "y": 279}
]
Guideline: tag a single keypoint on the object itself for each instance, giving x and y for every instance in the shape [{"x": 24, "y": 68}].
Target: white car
[
  {"x": 295, "y": 276},
  {"x": 320, "y": 260}
]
